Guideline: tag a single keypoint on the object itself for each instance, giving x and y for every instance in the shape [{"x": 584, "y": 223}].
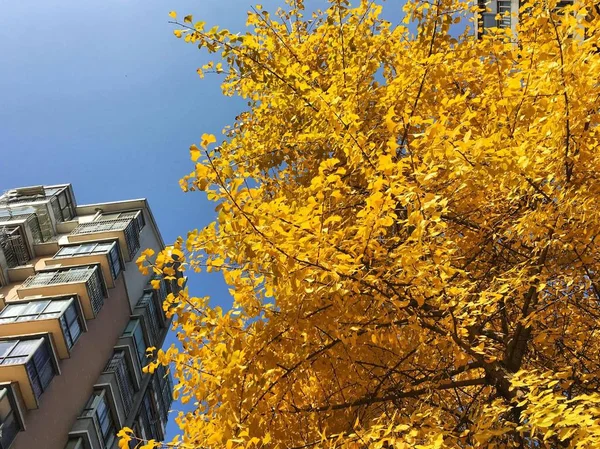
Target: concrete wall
[
  {"x": 134, "y": 279},
  {"x": 63, "y": 401}
]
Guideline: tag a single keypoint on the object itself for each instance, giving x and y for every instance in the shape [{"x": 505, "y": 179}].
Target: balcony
[
  {"x": 11, "y": 415},
  {"x": 118, "y": 374},
  {"x": 126, "y": 229},
  {"x": 60, "y": 317},
  {"x": 105, "y": 254},
  {"x": 31, "y": 362},
  {"x": 95, "y": 427},
  {"x": 86, "y": 282},
  {"x": 489, "y": 12},
  {"x": 138, "y": 333},
  {"x": 14, "y": 246},
  {"x": 150, "y": 421},
  {"x": 150, "y": 308},
  {"x": 75, "y": 443},
  {"x": 163, "y": 391}
]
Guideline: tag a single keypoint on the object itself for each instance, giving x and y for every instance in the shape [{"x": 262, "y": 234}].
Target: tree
[{"x": 408, "y": 224}]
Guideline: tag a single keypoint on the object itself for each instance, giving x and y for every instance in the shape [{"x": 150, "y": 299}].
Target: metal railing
[
  {"x": 118, "y": 365},
  {"x": 88, "y": 275},
  {"x": 14, "y": 247},
  {"x": 127, "y": 225},
  {"x": 34, "y": 226}
]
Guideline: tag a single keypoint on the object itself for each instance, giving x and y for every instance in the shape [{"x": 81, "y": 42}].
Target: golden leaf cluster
[{"x": 408, "y": 223}]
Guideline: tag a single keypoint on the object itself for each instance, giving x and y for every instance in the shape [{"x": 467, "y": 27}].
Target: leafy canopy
[{"x": 408, "y": 224}]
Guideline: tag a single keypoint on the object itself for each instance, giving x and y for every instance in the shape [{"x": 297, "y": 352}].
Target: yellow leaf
[
  {"x": 207, "y": 139},
  {"x": 148, "y": 252},
  {"x": 194, "y": 153},
  {"x": 173, "y": 15}
]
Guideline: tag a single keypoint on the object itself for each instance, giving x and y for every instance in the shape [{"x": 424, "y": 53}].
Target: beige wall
[{"x": 63, "y": 401}]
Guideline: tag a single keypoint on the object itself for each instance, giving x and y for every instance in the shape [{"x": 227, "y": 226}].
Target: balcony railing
[
  {"x": 118, "y": 365},
  {"x": 127, "y": 226},
  {"x": 147, "y": 307},
  {"x": 64, "y": 281},
  {"x": 14, "y": 247}
]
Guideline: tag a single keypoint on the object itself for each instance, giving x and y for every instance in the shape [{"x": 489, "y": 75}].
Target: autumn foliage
[{"x": 408, "y": 222}]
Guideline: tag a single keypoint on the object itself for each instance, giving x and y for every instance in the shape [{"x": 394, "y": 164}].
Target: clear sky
[{"x": 99, "y": 93}]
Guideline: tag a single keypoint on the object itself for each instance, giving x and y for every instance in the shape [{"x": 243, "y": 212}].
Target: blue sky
[{"x": 102, "y": 95}]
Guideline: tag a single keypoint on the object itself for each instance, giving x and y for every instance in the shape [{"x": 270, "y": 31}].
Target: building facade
[
  {"x": 502, "y": 14},
  {"x": 76, "y": 317}
]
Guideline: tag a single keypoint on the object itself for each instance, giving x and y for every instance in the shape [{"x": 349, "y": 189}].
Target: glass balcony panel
[
  {"x": 59, "y": 317},
  {"x": 104, "y": 253}
]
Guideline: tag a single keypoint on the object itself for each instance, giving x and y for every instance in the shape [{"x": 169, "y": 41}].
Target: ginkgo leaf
[
  {"x": 194, "y": 153},
  {"x": 207, "y": 139}
]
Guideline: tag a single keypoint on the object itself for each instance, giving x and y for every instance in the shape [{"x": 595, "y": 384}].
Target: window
[
  {"x": 166, "y": 385},
  {"x": 115, "y": 261},
  {"x": 63, "y": 309},
  {"x": 135, "y": 214},
  {"x": 112, "y": 248},
  {"x": 98, "y": 408},
  {"x": 162, "y": 290},
  {"x": 84, "y": 249},
  {"x": 36, "y": 355},
  {"x": 62, "y": 206},
  {"x": 148, "y": 302},
  {"x": 70, "y": 322},
  {"x": 163, "y": 392},
  {"x": 9, "y": 425},
  {"x": 95, "y": 290},
  {"x": 134, "y": 329},
  {"x": 137, "y": 432},
  {"x": 149, "y": 414}
]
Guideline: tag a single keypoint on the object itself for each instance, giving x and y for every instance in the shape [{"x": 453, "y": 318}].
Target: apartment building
[
  {"x": 76, "y": 317},
  {"x": 502, "y": 14}
]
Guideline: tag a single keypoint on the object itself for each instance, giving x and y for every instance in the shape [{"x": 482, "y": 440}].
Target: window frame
[
  {"x": 140, "y": 324},
  {"x": 113, "y": 254}
]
